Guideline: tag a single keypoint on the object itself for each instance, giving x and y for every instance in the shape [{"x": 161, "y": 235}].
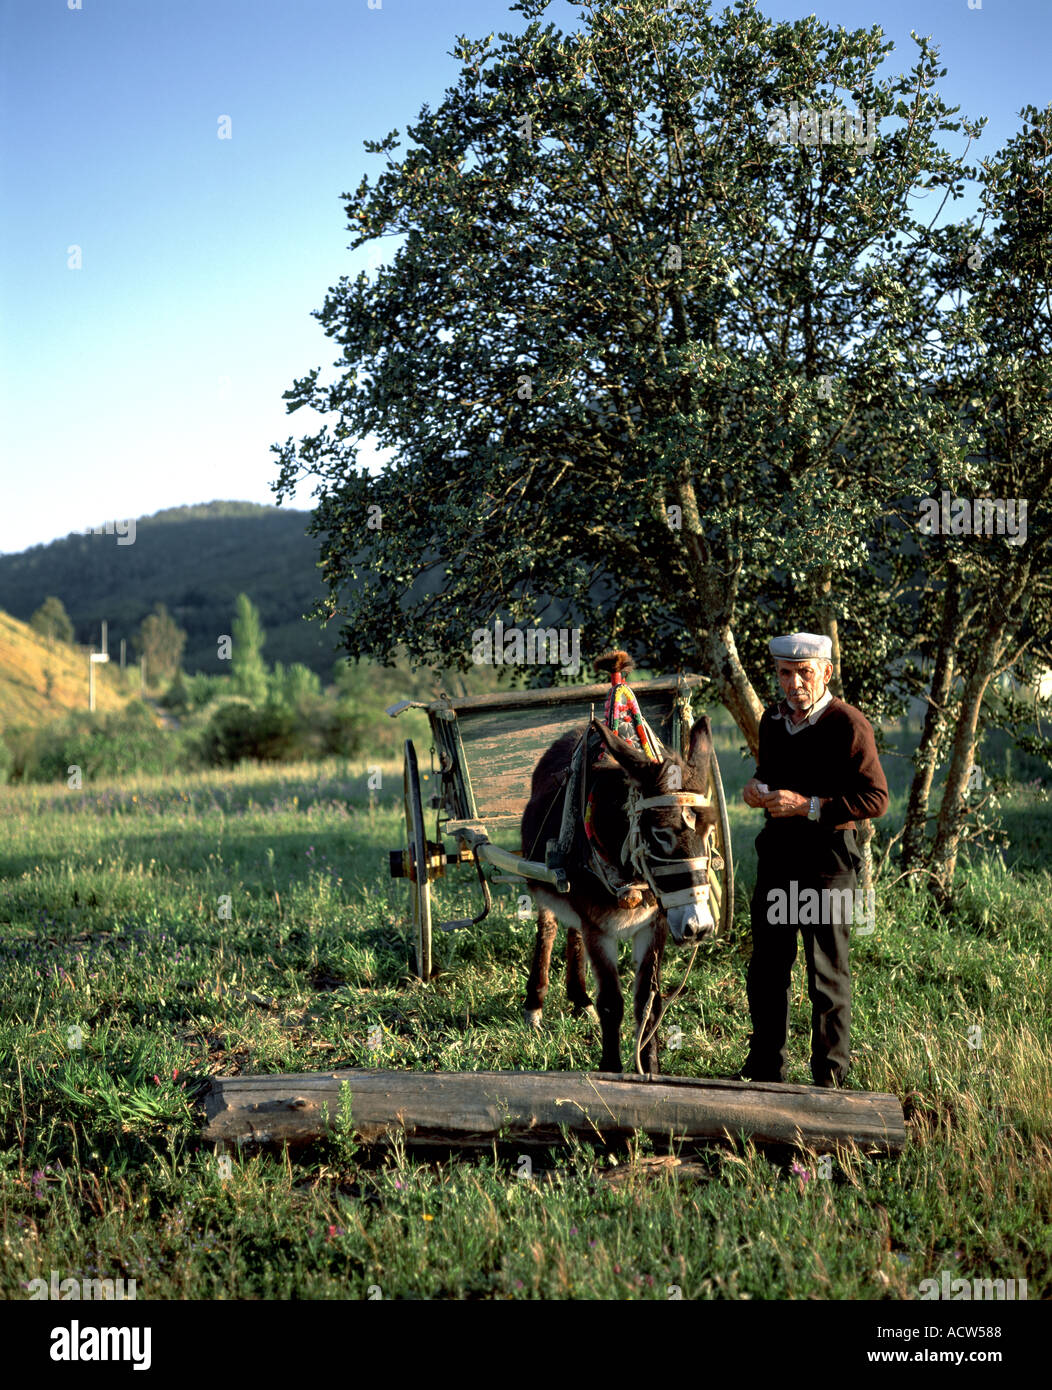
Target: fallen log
[{"x": 475, "y": 1108}]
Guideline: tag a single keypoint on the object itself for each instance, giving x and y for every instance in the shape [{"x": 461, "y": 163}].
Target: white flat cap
[{"x": 802, "y": 646}]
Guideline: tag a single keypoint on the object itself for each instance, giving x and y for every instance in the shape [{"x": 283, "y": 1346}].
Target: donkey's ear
[
  {"x": 700, "y": 755},
  {"x": 631, "y": 759}
]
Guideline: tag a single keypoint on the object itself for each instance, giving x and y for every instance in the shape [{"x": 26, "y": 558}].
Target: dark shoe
[{"x": 747, "y": 1074}]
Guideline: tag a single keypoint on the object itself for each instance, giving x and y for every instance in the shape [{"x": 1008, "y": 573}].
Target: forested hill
[{"x": 195, "y": 560}]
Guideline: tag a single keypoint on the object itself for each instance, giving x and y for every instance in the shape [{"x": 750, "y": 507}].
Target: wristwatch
[{"x": 815, "y": 808}]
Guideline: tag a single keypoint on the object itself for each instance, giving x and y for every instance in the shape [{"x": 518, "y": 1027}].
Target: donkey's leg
[
  {"x": 537, "y": 984},
  {"x": 576, "y": 984},
  {"x": 602, "y": 952},
  {"x": 648, "y": 948}
]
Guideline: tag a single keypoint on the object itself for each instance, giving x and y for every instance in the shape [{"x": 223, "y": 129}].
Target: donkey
[{"x": 649, "y": 822}]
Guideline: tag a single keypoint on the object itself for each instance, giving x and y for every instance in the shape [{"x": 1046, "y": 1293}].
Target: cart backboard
[{"x": 492, "y": 743}]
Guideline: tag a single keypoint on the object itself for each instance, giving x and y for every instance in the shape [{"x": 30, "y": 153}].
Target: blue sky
[{"x": 153, "y": 375}]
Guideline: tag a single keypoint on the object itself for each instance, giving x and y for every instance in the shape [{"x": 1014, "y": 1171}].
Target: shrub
[
  {"x": 108, "y": 745},
  {"x": 237, "y": 731}
]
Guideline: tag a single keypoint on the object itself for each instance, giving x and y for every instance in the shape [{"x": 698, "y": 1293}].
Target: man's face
[{"x": 804, "y": 682}]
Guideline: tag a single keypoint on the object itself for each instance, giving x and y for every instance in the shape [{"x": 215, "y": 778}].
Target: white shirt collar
[{"x": 786, "y": 711}]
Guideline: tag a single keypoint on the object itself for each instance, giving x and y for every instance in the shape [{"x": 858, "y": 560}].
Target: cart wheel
[
  {"x": 721, "y": 881},
  {"x": 419, "y": 887}
]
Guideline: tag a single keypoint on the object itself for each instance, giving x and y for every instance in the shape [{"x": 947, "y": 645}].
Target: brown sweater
[{"x": 836, "y": 758}]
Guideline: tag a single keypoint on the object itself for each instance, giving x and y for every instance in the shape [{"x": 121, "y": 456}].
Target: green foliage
[
  {"x": 639, "y": 304},
  {"x": 52, "y": 621},
  {"x": 195, "y": 560},
  {"x": 239, "y": 730},
  {"x": 160, "y": 643},
  {"x": 119, "y": 744},
  {"x": 248, "y": 670},
  {"x": 193, "y": 693},
  {"x": 293, "y": 686},
  {"x": 177, "y": 695}
]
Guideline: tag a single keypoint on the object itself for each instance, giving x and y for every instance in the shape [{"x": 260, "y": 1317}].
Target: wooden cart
[{"x": 486, "y": 748}]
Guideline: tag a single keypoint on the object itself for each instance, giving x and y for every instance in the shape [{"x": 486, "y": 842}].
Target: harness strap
[
  {"x": 698, "y": 893},
  {"x": 676, "y": 866},
  {"x": 673, "y": 799}
]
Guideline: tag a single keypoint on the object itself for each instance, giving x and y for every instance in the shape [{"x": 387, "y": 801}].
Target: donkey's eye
[{"x": 689, "y": 817}]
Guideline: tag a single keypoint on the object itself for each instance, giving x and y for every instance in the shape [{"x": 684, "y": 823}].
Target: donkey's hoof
[{"x": 533, "y": 1018}]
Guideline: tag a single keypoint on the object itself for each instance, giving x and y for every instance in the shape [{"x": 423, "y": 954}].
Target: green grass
[{"x": 126, "y": 988}]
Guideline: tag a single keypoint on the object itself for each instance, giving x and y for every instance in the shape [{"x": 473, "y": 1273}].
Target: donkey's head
[{"x": 670, "y": 827}]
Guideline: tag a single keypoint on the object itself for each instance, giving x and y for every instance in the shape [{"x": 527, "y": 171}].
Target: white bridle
[{"x": 636, "y": 852}]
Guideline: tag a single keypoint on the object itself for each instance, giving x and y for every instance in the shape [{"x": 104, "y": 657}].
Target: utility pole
[
  {"x": 105, "y": 637},
  {"x": 92, "y": 659},
  {"x": 124, "y": 645}
]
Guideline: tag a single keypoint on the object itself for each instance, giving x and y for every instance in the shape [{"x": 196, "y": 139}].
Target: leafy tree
[
  {"x": 293, "y": 686},
  {"x": 990, "y": 597},
  {"x": 52, "y": 621},
  {"x": 646, "y": 370},
  {"x": 160, "y": 642},
  {"x": 248, "y": 670},
  {"x": 650, "y": 371}
]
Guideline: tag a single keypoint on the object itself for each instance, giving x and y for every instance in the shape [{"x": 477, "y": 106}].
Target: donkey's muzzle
[{"x": 690, "y": 923}]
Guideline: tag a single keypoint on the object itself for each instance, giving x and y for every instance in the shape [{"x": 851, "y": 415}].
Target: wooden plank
[
  {"x": 511, "y": 700},
  {"x": 472, "y": 1109}
]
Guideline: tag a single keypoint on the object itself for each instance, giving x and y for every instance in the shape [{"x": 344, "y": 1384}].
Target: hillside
[
  {"x": 195, "y": 560},
  {"x": 26, "y": 658}
]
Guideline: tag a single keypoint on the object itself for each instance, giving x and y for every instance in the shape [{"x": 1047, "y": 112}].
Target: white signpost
[{"x": 95, "y": 656}]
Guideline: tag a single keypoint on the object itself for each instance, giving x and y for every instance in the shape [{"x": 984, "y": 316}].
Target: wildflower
[
  {"x": 800, "y": 1172},
  {"x": 428, "y": 1216}
]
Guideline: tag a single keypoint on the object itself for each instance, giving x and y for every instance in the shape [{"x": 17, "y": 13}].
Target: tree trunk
[
  {"x": 829, "y": 627},
  {"x": 951, "y": 630},
  {"x": 715, "y": 593},
  {"x": 475, "y": 1110},
  {"x": 737, "y": 695},
  {"x": 952, "y": 809}
]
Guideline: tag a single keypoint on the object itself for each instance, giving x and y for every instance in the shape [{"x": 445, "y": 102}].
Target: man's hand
[
  {"x": 754, "y": 793},
  {"x": 787, "y": 804}
]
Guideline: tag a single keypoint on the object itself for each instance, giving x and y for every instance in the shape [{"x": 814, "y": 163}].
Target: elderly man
[{"x": 817, "y": 773}]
